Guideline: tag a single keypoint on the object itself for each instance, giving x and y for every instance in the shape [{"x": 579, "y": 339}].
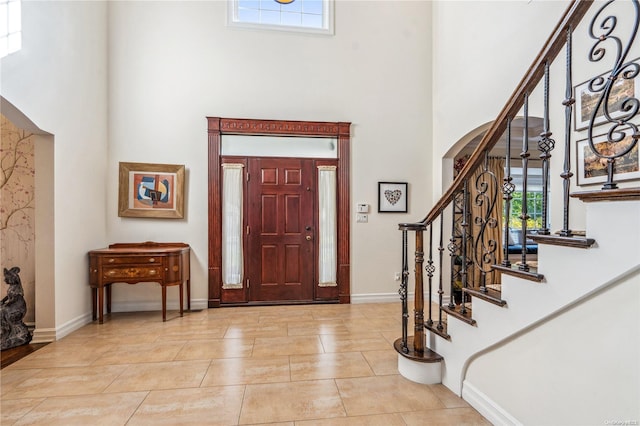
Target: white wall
[
  {"x": 58, "y": 81},
  {"x": 482, "y": 49},
  {"x": 482, "y": 53},
  {"x": 579, "y": 369},
  {"x": 174, "y": 63}
]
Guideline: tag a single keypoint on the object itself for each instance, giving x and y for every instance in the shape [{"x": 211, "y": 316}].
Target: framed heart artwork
[{"x": 392, "y": 197}]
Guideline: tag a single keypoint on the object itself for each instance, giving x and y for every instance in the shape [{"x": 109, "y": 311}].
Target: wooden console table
[{"x": 132, "y": 263}]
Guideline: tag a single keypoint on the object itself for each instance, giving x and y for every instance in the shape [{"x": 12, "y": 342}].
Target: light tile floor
[{"x": 285, "y": 365}]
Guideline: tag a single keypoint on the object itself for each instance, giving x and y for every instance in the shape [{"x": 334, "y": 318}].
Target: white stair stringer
[{"x": 570, "y": 275}]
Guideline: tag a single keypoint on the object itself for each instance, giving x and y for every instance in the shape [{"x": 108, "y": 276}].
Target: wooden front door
[
  {"x": 217, "y": 128},
  {"x": 281, "y": 239}
]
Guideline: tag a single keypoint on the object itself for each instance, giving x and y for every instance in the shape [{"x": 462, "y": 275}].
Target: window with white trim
[
  {"x": 315, "y": 16},
  {"x": 534, "y": 198},
  {"x": 10, "y": 27}
]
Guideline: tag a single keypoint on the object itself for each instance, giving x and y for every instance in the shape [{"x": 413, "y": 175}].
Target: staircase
[{"x": 537, "y": 342}]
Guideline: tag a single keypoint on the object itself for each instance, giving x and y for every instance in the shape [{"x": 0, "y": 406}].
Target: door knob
[
  {"x": 308, "y": 228},
  {"x": 308, "y": 237}
]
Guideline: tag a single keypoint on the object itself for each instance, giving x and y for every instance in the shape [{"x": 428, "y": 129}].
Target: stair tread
[
  {"x": 619, "y": 194},
  {"x": 434, "y": 329},
  {"x": 531, "y": 275},
  {"x": 466, "y": 317},
  {"x": 427, "y": 356},
  {"x": 490, "y": 295},
  {"x": 559, "y": 240}
]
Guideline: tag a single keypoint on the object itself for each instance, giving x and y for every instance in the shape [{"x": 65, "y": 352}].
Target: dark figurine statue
[{"x": 13, "y": 309}]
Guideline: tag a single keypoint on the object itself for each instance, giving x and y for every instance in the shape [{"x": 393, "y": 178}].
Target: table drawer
[
  {"x": 128, "y": 260},
  {"x": 128, "y": 272}
]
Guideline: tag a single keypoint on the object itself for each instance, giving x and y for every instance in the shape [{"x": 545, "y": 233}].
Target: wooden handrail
[{"x": 556, "y": 41}]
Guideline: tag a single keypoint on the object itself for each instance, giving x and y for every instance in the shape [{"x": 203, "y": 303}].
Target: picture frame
[
  {"x": 151, "y": 190},
  {"x": 587, "y": 100},
  {"x": 392, "y": 197},
  {"x": 592, "y": 169}
]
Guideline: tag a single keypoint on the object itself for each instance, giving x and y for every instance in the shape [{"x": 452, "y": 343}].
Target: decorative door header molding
[{"x": 277, "y": 127}]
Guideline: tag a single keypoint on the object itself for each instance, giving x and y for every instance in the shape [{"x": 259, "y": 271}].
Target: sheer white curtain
[
  {"x": 232, "y": 260},
  {"x": 327, "y": 258}
]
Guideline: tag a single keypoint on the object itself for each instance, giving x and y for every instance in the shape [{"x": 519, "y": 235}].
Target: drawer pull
[
  {"x": 111, "y": 260},
  {"x": 152, "y": 260}
]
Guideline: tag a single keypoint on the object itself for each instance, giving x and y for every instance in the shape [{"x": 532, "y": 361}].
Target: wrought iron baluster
[
  {"x": 441, "y": 257},
  {"x": 465, "y": 233},
  {"x": 430, "y": 270},
  {"x": 507, "y": 189},
  {"x": 622, "y": 135},
  {"x": 524, "y": 216},
  {"x": 568, "y": 108},
  {"x": 455, "y": 252},
  {"x": 545, "y": 145},
  {"x": 418, "y": 313}
]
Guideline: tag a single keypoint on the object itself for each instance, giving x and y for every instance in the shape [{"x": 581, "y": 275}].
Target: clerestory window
[
  {"x": 10, "y": 27},
  {"x": 314, "y": 16}
]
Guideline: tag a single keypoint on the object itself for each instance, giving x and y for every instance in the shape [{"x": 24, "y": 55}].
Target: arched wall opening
[
  {"x": 458, "y": 154},
  {"x": 38, "y": 262}
]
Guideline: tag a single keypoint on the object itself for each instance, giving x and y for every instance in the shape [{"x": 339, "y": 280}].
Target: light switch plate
[
  {"x": 363, "y": 208},
  {"x": 362, "y": 218}
]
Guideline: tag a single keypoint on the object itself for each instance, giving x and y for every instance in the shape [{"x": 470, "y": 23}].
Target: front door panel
[{"x": 281, "y": 238}]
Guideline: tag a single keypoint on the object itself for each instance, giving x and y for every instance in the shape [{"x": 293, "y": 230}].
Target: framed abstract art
[{"x": 151, "y": 190}]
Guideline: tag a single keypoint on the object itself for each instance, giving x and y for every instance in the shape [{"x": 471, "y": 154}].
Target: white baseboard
[
  {"x": 376, "y": 298},
  {"x": 46, "y": 335},
  {"x": 73, "y": 325},
  {"x": 196, "y": 305},
  {"x": 390, "y": 297},
  {"x": 486, "y": 406},
  {"x": 199, "y": 304},
  {"x": 43, "y": 335}
]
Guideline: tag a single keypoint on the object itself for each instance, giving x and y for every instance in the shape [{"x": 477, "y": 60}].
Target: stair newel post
[
  {"x": 524, "y": 216},
  {"x": 418, "y": 328},
  {"x": 465, "y": 236},
  {"x": 507, "y": 189},
  {"x": 440, "y": 258},
  {"x": 545, "y": 146},
  {"x": 403, "y": 291},
  {"x": 568, "y": 103},
  {"x": 430, "y": 270}
]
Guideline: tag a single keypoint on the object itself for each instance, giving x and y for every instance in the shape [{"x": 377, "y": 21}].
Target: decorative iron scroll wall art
[
  {"x": 604, "y": 29},
  {"x": 151, "y": 190},
  {"x": 586, "y": 100},
  {"x": 392, "y": 197},
  {"x": 593, "y": 169}
]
